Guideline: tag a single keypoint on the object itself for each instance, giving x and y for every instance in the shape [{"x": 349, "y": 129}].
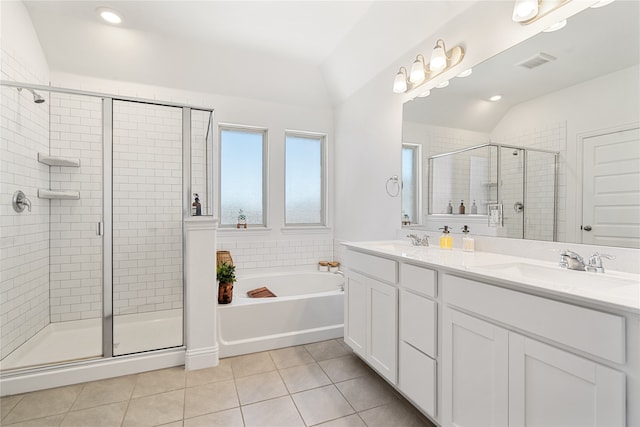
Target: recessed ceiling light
[
  {"x": 495, "y": 98},
  {"x": 555, "y": 27},
  {"x": 443, "y": 84},
  {"x": 466, "y": 73},
  {"x": 109, "y": 15}
]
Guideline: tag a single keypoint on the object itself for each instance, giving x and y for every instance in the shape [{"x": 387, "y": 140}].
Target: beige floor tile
[
  {"x": 173, "y": 424},
  {"x": 321, "y": 404},
  {"x": 100, "y": 416},
  {"x": 103, "y": 392},
  {"x": 344, "y": 368},
  {"x": 291, "y": 356},
  {"x": 252, "y": 364},
  {"x": 160, "y": 381},
  {"x": 397, "y": 414},
  {"x": 7, "y": 403},
  {"x": 154, "y": 410},
  {"x": 208, "y": 398},
  {"x": 272, "y": 413},
  {"x": 40, "y": 404},
  {"x": 228, "y": 418},
  {"x": 366, "y": 392},
  {"x": 256, "y": 388},
  {"x": 350, "y": 421},
  {"x": 52, "y": 421},
  {"x": 324, "y": 350},
  {"x": 304, "y": 377},
  {"x": 221, "y": 372}
]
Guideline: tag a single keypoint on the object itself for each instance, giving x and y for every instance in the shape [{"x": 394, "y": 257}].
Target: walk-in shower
[
  {"x": 520, "y": 181},
  {"x": 91, "y": 266}
]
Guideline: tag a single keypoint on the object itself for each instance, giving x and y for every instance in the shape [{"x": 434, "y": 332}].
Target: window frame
[
  {"x": 322, "y": 137},
  {"x": 265, "y": 172}
]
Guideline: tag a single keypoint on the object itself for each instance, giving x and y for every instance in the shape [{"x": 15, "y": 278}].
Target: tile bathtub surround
[{"x": 316, "y": 384}]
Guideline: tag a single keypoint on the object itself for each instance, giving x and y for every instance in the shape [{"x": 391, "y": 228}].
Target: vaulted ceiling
[{"x": 314, "y": 53}]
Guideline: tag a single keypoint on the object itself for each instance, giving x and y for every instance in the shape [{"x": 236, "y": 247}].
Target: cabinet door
[
  {"x": 382, "y": 333},
  {"x": 550, "y": 387},
  {"x": 417, "y": 377},
  {"x": 418, "y": 322},
  {"x": 475, "y": 372},
  {"x": 355, "y": 329}
]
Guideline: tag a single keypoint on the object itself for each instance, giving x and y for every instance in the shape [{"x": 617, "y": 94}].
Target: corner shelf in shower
[
  {"x": 60, "y": 195},
  {"x": 58, "y": 161}
]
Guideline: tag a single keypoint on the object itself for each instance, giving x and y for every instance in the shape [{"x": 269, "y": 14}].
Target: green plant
[{"x": 226, "y": 273}]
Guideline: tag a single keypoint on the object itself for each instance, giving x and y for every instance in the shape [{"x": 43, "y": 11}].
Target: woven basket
[{"x": 223, "y": 256}]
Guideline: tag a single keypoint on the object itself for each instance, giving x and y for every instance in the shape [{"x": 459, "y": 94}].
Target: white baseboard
[{"x": 201, "y": 358}]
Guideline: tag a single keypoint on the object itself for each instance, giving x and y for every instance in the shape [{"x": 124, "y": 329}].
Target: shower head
[{"x": 37, "y": 98}]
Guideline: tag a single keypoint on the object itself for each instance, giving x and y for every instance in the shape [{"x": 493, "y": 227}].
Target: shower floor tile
[{"x": 317, "y": 384}]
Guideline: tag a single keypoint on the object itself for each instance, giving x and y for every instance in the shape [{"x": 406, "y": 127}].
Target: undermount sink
[{"x": 565, "y": 279}]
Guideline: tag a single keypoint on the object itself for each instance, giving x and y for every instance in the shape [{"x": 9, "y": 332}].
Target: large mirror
[{"x": 574, "y": 92}]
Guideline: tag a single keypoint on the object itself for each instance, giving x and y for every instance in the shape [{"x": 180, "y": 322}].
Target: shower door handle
[{"x": 100, "y": 228}]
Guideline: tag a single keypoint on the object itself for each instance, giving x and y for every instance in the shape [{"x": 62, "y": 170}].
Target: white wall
[{"x": 24, "y": 248}]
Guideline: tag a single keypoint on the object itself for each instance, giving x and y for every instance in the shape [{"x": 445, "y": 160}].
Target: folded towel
[{"x": 262, "y": 292}]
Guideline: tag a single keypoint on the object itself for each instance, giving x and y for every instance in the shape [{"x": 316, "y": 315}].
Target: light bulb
[
  {"x": 523, "y": 10},
  {"x": 400, "y": 82},
  {"x": 417, "y": 74},
  {"x": 438, "y": 58}
]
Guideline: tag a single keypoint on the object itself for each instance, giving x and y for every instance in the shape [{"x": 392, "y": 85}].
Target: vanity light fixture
[
  {"x": 555, "y": 27},
  {"x": 109, "y": 15},
  {"x": 466, "y": 73},
  {"x": 440, "y": 61},
  {"x": 495, "y": 98},
  {"x": 528, "y": 11},
  {"x": 400, "y": 82}
]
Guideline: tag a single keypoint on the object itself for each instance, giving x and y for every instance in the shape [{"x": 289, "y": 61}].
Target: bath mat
[{"x": 262, "y": 292}]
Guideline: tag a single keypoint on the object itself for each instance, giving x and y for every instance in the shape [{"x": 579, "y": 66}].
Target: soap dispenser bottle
[
  {"x": 474, "y": 208},
  {"x": 196, "y": 207},
  {"x": 449, "y": 208},
  {"x": 461, "y": 208},
  {"x": 468, "y": 242},
  {"x": 446, "y": 241}
]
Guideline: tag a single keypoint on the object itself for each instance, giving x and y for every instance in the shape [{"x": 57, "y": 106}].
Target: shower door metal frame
[{"x": 107, "y": 217}]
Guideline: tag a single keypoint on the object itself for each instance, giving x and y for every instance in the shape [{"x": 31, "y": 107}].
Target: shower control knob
[{"x": 587, "y": 228}]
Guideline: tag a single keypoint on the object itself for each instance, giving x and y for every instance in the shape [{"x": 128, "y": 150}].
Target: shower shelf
[
  {"x": 58, "y": 161},
  {"x": 61, "y": 195}
]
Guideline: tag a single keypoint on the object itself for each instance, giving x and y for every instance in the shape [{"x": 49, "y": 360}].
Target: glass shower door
[{"x": 147, "y": 227}]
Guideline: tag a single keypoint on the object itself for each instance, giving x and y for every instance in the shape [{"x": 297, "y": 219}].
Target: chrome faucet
[
  {"x": 595, "y": 262},
  {"x": 571, "y": 260},
  {"x": 419, "y": 241}
]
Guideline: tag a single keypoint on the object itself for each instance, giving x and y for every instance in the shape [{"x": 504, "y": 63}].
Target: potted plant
[{"x": 226, "y": 276}]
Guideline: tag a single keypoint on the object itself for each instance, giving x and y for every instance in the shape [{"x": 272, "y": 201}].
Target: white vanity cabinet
[
  {"x": 493, "y": 375},
  {"x": 371, "y": 311}
]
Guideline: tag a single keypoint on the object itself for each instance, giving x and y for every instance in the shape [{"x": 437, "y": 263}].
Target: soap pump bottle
[
  {"x": 446, "y": 241},
  {"x": 468, "y": 242},
  {"x": 461, "y": 208},
  {"x": 196, "y": 207},
  {"x": 449, "y": 208},
  {"x": 474, "y": 208}
]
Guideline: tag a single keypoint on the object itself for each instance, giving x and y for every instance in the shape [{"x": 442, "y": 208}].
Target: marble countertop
[{"x": 611, "y": 289}]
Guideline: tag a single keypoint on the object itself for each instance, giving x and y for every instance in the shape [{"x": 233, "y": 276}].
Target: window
[
  {"x": 411, "y": 183},
  {"x": 304, "y": 179},
  {"x": 242, "y": 175}
]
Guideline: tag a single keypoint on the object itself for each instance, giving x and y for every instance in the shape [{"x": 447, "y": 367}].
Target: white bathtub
[{"x": 308, "y": 307}]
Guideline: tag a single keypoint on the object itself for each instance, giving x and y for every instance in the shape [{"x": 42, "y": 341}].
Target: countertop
[{"x": 610, "y": 290}]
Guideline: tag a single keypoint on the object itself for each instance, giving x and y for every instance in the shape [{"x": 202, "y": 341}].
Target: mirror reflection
[{"x": 574, "y": 92}]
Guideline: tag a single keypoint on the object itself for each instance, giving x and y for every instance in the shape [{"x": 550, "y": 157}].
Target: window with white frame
[
  {"x": 243, "y": 180},
  {"x": 305, "y": 174},
  {"x": 411, "y": 186}
]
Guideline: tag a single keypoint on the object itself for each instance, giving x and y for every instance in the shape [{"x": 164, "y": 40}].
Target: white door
[
  {"x": 475, "y": 372},
  {"x": 355, "y": 330},
  {"x": 382, "y": 351},
  {"x": 550, "y": 387},
  {"x": 611, "y": 189}
]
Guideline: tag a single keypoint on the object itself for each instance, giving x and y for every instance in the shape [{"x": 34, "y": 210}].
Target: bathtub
[{"x": 308, "y": 307}]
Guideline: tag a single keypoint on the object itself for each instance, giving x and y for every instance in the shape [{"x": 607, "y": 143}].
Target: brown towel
[{"x": 262, "y": 292}]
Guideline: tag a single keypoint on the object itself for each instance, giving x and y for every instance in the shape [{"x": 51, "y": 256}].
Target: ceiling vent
[{"x": 536, "y": 60}]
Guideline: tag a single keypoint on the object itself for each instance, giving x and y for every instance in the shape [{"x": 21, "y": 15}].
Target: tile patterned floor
[{"x": 319, "y": 384}]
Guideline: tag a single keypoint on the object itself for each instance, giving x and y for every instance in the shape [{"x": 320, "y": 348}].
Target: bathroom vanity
[{"x": 495, "y": 340}]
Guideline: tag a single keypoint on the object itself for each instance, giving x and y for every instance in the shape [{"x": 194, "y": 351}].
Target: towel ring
[{"x": 393, "y": 180}]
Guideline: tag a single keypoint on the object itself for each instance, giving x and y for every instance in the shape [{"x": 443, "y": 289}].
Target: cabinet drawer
[
  {"x": 418, "y": 378},
  {"x": 418, "y": 279},
  {"x": 418, "y": 320},
  {"x": 592, "y": 331},
  {"x": 382, "y": 269}
]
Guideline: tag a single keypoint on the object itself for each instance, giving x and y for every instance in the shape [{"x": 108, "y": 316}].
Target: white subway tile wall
[
  {"x": 250, "y": 254},
  {"x": 147, "y": 208},
  {"x": 76, "y": 249},
  {"x": 24, "y": 237}
]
